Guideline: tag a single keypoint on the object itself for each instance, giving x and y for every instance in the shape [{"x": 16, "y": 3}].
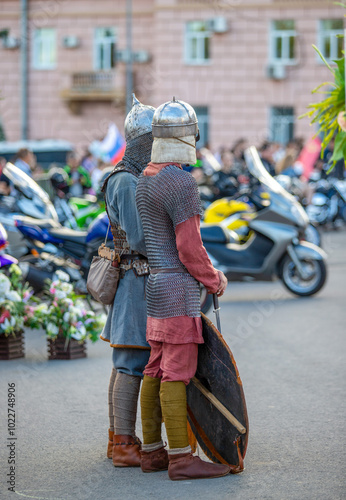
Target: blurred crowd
[
  {"x": 222, "y": 171},
  {"x": 225, "y": 171},
  {"x": 81, "y": 175}
]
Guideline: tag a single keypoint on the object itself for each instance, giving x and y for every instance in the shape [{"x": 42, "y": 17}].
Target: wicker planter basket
[
  {"x": 60, "y": 349},
  {"x": 12, "y": 347}
]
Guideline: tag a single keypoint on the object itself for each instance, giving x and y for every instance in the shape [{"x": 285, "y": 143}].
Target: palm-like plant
[{"x": 329, "y": 114}]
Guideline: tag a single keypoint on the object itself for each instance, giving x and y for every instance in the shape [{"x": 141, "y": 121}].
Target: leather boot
[
  {"x": 186, "y": 466},
  {"x": 126, "y": 451},
  {"x": 154, "y": 461},
  {"x": 110, "y": 443}
]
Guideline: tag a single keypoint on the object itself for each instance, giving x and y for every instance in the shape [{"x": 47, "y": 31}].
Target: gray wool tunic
[{"x": 127, "y": 316}]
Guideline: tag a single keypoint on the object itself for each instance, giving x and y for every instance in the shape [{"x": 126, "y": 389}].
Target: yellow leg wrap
[
  {"x": 173, "y": 403},
  {"x": 151, "y": 410}
]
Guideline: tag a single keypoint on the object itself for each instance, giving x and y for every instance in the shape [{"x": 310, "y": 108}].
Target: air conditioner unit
[
  {"x": 10, "y": 42},
  {"x": 70, "y": 42},
  {"x": 122, "y": 56},
  {"x": 218, "y": 25},
  {"x": 141, "y": 56},
  {"x": 138, "y": 56},
  {"x": 276, "y": 71}
]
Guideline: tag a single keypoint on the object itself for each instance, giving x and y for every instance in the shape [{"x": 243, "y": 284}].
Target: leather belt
[
  {"x": 130, "y": 256},
  {"x": 157, "y": 270}
]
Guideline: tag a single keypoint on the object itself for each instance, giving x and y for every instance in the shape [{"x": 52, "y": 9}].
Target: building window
[
  {"x": 281, "y": 124},
  {"x": 329, "y": 43},
  {"x": 203, "y": 125},
  {"x": 44, "y": 53},
  {"x": 282, "y": 42},
  {"x": 197, "y": 43},
  {"x": 104, "y": 48}
]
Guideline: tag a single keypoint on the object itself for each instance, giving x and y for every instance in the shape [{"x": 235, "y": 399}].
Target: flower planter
[
  {"x": 60, "y": 349},
  {"x": 12, "y": 347}
]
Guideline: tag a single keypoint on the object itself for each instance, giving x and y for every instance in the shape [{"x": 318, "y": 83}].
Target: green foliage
[{"x": 325, "y": 113}]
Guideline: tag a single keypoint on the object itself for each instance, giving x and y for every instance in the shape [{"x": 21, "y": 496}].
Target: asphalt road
[{"x": 290, "y": 354}]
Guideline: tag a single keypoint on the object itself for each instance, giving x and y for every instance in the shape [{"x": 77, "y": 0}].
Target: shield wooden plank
[{"x": 216, "y": 403}]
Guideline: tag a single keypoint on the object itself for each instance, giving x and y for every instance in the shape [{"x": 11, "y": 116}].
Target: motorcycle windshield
[
  {"x": 284, "y": 201},
  {"x": 258, "y": 170},
  {"x": 30, "y": 190}
]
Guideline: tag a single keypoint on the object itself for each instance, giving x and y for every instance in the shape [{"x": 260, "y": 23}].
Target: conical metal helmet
[
  {"x": 175, "y": 119},
  {"x": 138, "y": 120}
]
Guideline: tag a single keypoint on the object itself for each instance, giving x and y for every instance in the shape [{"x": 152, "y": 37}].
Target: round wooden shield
[{"x": 216, "y": 403}]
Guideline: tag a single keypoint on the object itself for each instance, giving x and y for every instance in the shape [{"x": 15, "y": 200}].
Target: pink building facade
[{"x": 248, "y": 66}]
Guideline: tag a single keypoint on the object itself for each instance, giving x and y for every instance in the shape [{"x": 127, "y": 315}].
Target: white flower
[
  {"x": 66, "y": 317},
  {"x": 66, "y": 287},
  {"x": 62, "y": 276},
  {"x": 42, "y": 308},
  {"x": 59, "y": 294},
  {"x": 14, "y": 296},
  {"x": 52, "y": 329},
  {"x": 12, "y": 321},
  {"x": 68, "y": 302},
  {"x": 74, "y": 311},
  {"x": 5, "y": 284},
  {"x": 80, "y": 333}
]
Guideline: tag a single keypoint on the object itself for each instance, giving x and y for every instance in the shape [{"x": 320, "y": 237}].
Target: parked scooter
[
  {"x": 275, "y": 247},
  {"x": 294, "y": 186},
  {"x": 234, "y": 210}
]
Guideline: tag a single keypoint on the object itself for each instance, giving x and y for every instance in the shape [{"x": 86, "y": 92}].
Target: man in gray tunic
[{"x": 125, "y": 328}]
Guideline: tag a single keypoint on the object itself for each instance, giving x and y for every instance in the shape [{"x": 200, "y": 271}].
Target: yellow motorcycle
[{"x": 235, "y": 215}]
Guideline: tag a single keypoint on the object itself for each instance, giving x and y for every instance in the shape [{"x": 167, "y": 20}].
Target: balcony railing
[
  {"x": 93, "y": 82},
  {"x": 95, "y": 86}
]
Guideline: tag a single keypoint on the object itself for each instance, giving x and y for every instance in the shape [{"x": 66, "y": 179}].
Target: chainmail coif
[
  {"x": 136, "y": 158},
  {"x": 137, "y": 154}
]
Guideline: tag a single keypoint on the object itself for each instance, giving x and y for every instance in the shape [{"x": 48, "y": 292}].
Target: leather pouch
[{"x": 103, "y": 277}]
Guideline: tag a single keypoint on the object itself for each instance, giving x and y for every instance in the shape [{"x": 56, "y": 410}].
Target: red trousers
[{"x": 172, "y": 362}]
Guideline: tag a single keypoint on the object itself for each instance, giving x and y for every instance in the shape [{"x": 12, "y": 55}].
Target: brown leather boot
[
  {"x": 154, "y": 461},
  {"x": 186, "y": 466},
  {"x": 126, "y": 451},
  {"x": 110, "y": 443}
]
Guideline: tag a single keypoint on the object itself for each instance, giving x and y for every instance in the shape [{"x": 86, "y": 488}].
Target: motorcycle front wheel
[{"x": 316, "y": 276}]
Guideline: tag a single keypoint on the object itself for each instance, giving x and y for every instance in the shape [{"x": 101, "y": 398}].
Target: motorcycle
[
  {"x": 234, "y": 209},
  {"x": 74, "y": 212},
  {"x": 57, "y": 247},
  {"x": 26, "y": 198},
  {"x": 294, "y": 186},
  {"x": 328, "y": 204},
  {"x": 86, "y": 209},
  {"x": 5, "y": 259},
  {"x": 275, "y": 246}
]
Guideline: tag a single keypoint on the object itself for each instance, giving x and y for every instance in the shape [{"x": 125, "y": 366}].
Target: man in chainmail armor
[
  {"x": 126, "y": 322},
  {"x": 169, "y": 205}
]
